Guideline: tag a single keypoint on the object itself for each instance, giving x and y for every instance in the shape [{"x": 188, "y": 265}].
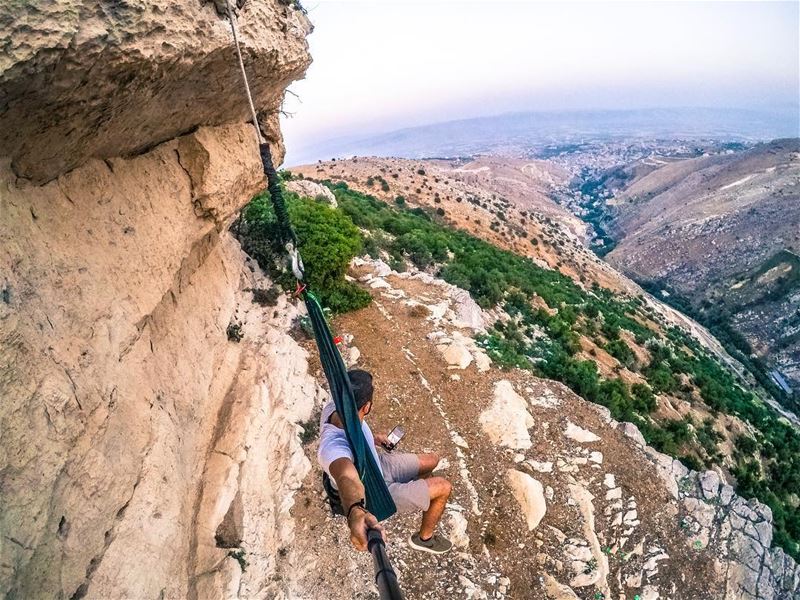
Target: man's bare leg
[
  {"x": 427, "y": 463},
  {"x": 439, "y": 489}
]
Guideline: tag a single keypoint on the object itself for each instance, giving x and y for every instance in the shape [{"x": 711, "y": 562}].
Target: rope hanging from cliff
[{"x": 379, "y": 501}]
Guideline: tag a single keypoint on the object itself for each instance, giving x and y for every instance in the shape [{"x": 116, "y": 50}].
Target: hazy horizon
[{"x": 384, "y": 66}]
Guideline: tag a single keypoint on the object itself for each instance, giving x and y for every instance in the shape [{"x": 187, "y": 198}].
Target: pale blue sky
[{"x": 382, "y": 65}]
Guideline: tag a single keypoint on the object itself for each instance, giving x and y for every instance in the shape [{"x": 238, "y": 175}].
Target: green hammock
[{"x": 379, "y": 501}]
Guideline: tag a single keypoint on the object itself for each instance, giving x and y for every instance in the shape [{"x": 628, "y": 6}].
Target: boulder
[
  {"x": 529, "y": 493},
  {"x": 507, "y": 420},
  {"x": 466, "y": 311},
  {"x": 632, "y": 431},
  {"x": 311, "y": 189},
  {"x": 542, "y": 467},
  {"x": 709, "y": 482}
]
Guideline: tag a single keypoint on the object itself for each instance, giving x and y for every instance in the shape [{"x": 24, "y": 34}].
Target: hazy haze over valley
[{"x": 464, "y": 60}]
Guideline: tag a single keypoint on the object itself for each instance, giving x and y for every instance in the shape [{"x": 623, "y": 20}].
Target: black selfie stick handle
[{"x": 385, "y": 577}]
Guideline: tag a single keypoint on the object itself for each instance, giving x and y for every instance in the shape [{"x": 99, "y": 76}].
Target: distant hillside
[
  {"x": 530, "y": 133},
  {"x": 723, "y": 232}
]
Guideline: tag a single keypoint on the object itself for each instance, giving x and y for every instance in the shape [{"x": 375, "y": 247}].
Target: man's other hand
[
  {"x": 360, "y": 521},
  {"x": 382, "y": 440}
]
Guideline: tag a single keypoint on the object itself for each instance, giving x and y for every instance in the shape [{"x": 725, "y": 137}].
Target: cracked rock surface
[{"x": 82, "y": 79}]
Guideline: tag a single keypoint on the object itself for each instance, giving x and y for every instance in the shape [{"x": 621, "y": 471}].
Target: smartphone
[{"x": 395, "y": 435}]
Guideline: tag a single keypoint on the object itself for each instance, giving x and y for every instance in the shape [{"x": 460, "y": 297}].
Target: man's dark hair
[{"x": 361, "y": 381}]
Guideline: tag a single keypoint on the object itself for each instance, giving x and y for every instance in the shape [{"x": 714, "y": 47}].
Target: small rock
[
  {"x": 542, "y": 467},
  {"x": 634, "y": 581},
  {"x": 632, "y": 431},
  {"x": 556, "y": 590},
  {"x": 709, "y": 482},
  {"x": 578, "y": 434},
  {"x": 650, "y": 592},
  {"x": 726, "y": 494},
  {"x": 482, "y": 361},
  {"x": 379, "y": 284},
  {"x": 458, "y": 530},
  {"x": 459, "y": 441},
  {"x": 353, "y": 354}
]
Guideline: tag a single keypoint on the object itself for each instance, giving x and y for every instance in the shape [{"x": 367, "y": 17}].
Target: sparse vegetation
[
  {"x": 239, "y": 555},
  {"x": 419, "y": 311}
]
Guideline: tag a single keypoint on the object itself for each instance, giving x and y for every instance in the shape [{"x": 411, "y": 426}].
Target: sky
[{"x": 382, "y": 65}]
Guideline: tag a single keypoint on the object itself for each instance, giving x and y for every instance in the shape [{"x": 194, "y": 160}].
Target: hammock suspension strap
[{"x": 378, "y": 499}]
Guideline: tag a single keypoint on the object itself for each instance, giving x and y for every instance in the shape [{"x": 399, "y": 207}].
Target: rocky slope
[
  {"x": 552, "y": 498},
  {"x": 722, "y": 230},
  {"x": 509, "y": 203},
  {"x": 141, "y": 444}
]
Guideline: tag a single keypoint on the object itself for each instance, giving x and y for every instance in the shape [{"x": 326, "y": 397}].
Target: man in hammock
[{"x": 407, "y": 475}]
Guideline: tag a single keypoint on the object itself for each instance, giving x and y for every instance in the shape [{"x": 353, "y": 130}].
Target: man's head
[{"x": 361, "y": 381}]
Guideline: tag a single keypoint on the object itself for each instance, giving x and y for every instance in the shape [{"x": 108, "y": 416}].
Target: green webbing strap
[
  {"x": 279, "y": 204},
  {"x": 379, "y": 501}
]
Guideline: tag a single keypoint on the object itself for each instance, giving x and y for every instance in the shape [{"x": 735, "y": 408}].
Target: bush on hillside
[{"x": 328, "y": 241}]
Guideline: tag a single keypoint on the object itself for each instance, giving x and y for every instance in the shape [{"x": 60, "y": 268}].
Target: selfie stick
[{"x": 385, "y": 578}]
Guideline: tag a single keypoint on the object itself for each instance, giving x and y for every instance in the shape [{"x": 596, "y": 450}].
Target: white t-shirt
[{"x": 333, "y": 441}]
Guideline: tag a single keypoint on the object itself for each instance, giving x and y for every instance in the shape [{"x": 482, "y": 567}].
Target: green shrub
[
  {"x": 328, "y": 240},
  {"x": 622, "y": 352}
]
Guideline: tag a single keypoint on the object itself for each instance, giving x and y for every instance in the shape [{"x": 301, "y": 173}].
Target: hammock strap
[{"x": 379, "y": 500}]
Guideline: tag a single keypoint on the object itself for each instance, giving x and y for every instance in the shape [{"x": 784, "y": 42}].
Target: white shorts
[{"x": 400, "y": 471}]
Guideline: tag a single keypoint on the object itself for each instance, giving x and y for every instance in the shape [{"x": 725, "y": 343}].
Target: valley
[{"x": 715, "y": 235}]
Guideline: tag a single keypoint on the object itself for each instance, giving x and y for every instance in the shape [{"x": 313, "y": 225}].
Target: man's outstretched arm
[{"x": 351, "y": 491}]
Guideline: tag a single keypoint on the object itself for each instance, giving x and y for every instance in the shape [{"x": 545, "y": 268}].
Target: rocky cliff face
[
  {"x": 142, "y": 445},
  {"x": 82, "y": 79}
]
